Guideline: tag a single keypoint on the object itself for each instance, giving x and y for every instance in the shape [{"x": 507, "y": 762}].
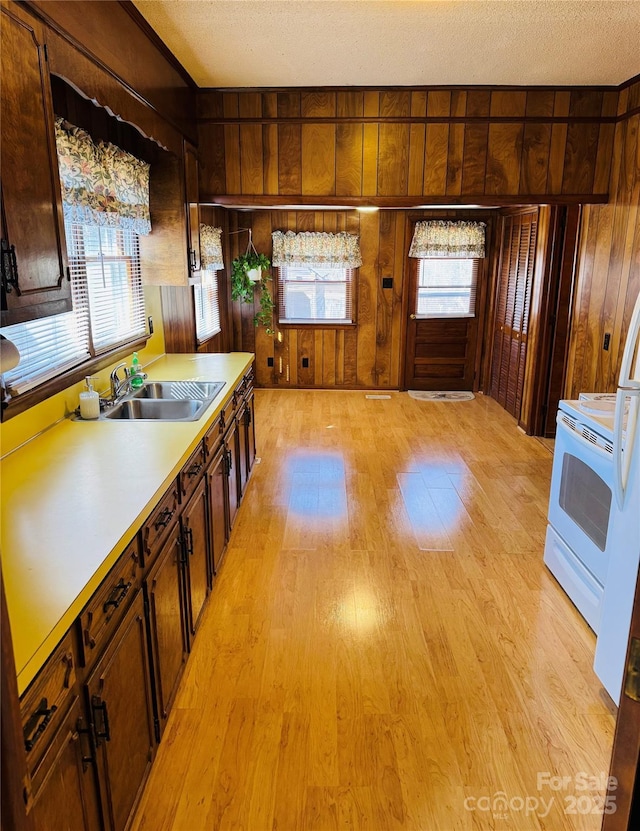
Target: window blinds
[
  {"x": 108, "y": 308},
  {"x": 207, "y": 307}
]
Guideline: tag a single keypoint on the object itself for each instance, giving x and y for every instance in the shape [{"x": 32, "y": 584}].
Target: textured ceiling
[{"x": 273, "y": 43}]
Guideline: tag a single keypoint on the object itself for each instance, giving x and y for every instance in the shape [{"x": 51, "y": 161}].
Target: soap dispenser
[
  {"x": 136, "y": 376},
  {"x": 89, "y": 401}
]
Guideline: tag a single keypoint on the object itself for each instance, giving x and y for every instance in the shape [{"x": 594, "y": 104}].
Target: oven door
[{"x": 581, "y": 501}]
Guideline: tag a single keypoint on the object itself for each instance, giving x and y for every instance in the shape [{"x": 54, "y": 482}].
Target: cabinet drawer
[
  {"x": 107, "y": 606},
  {"x": 191, "y": 473},
  {"x": 156, "y": 528},
  {"x": 44, "y": 705}
]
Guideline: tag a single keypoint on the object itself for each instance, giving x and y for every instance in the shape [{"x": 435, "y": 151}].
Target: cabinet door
[
  {"x": 168, "y": 643},
  {"x": 193, "y": 207},
  {"x": 250, "y": 427},
  {"x": 217, "y": 487},
  {"x": 197, "y": 578},
  {"x": 67, "y": 800},
  {"x": 35, "y": 246},
  {"x": 233, "y": 471},
  {"x": 243, "y": 447},
  {"x": 119, "y": 695}
]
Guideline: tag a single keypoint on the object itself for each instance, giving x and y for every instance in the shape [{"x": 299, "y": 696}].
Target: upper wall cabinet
[
  {"x": 34, "y": 261},
  {"x": 193, "y": 207}
]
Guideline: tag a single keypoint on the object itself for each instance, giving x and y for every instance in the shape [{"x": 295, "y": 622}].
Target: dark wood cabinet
[
  {"x": 246, "y": 440},
  {"x": 119, "y": 698},
  {"x": 35, "y": 280},
  {"x": 167, "y": 635},
  {"x": 96, "y": 711},
  {"x": 67, "y": 799},
  {"x": 197, "y": 568},
  {"x": 216, "y": 490},
  {"x": 193, "y": 208},
  {"x": 232, "y": 448}
]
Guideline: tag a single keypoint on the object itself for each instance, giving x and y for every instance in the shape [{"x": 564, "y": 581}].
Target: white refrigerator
[{"x": 617, "y": 602}]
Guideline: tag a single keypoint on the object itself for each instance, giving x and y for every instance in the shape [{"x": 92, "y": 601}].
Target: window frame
[
  {"x": 474, "y": 289},
  {"x": 205, "y": 283},
  {"x": 97, "y": 360},
  {"x": 317, "y": 323}
]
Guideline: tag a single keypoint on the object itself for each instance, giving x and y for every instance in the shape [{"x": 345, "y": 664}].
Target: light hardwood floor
[{"x": 384, "y": 648}]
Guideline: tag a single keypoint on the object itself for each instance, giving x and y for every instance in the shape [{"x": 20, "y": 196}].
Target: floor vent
[{"x": 378, "y": 397}]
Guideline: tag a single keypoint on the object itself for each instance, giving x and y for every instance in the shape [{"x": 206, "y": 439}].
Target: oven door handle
[
  {"x": 622, "y": 453},
  {"x": 580, "y": 438}
]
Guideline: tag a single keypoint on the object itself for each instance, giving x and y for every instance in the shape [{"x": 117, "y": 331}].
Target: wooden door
[
  {"x": 35, "y": 247},
  {"x": 119, "y": 695},
  {"x": 440, "y": 352},
  {"x": 195, "y": 530},
  {"x": 513, "y": 298},
  {"x": 168, "y": 642},
  {"x": 217, "y": 486},
  {"x": 68, "y": 797}
]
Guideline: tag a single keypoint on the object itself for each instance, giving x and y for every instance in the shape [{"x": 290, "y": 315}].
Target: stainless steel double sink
[{"x": 165, "y": 401}]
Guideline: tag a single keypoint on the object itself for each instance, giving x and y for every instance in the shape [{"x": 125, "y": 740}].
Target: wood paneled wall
[
  {"x": 391, "y": 145},
  {"x": 367, "y": 355},
  {"x": 608, "y": 273},
  {"x": 178, "y": 310}
]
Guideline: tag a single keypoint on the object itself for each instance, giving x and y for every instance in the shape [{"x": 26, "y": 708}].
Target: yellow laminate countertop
[{"x": 76, "y": 495}]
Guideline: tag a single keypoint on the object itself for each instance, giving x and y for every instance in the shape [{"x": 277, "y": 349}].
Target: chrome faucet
[{"x": 119, "y": 387}]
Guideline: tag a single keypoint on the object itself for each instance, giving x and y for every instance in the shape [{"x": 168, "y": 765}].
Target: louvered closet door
[{"x": 513, "y": 298}]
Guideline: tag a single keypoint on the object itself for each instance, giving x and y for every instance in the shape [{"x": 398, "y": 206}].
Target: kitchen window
[
  {"x": 108, "y": 308},
  {"x": 316, "y": 294},
  {"x": 207, "y": 307}
]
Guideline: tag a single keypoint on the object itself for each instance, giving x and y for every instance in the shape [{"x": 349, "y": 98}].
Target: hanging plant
[
  {"x": 247, "y": 271},
  {"x": 267, "y": 306}
]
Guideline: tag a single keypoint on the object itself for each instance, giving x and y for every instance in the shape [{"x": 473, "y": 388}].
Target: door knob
[{"x": 413, "y": 317}]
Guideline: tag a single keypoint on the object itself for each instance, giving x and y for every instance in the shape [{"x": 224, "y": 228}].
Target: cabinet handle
[
  {"x": 194, "y": 470},
  {"x": 87, "y": 758},
  {"x": 163, "y": 519},
  {"x": 247, "y": 417},
  {"x": 117, "y": 595},
  {"x": 9, "y": 267},
  {"x": 68, "y": 661},
  {"x": 229, "y": 461},
  {"x": 192, "y": 259},
  {"x": 100, "y": 706},
  {"x": 44, "y": 712},
  {"x": 189, "y": 533}
]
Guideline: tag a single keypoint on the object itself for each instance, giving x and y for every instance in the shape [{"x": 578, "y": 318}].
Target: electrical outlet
[
  {"x": 269, "y": 361},
  {"x": 305, "y": 362},
  {"x": 150, "y": 320},
  {"x": 607, "y": 341}
]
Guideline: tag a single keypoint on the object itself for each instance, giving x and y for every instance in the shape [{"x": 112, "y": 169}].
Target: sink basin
[
  {"x": 199, "y": 390},
  {"x": 141, "y": 409}
]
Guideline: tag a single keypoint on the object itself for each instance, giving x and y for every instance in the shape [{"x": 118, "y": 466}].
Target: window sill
[{"x": 315, "y": 324}]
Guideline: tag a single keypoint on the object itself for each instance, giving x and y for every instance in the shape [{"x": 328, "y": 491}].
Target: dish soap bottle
[
  {"x": 136, "y": 378},
  {"x": 89, "y": 401}
]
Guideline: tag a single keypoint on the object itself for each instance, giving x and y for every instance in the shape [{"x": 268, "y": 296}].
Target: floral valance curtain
[
  {"x": 211, "y": 248},
  {"x": 448, "y": 239},
  {"x": 101, "y": 184},
  {"x": 340, "y": 250}
]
